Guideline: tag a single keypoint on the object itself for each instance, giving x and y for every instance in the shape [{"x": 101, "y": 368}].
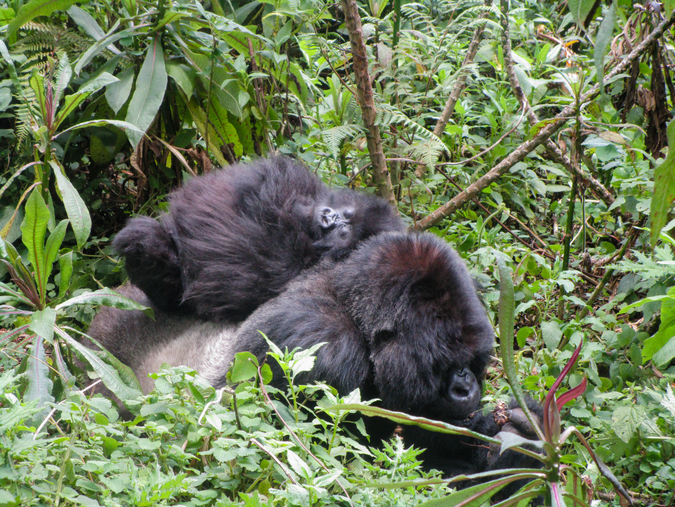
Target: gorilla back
[{"x": 234, "y": 238}]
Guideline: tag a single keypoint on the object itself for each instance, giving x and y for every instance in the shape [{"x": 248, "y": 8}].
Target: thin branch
[{"x": 364, "y": 96}]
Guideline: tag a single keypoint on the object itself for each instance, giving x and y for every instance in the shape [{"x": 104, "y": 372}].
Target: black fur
[
  {"x": 234, "y": 238},
  {"x": 400, "y": 319}
]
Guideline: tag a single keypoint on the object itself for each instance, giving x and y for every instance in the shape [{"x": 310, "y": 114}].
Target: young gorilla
[
  {"x": 234, "y": 238},
  {"x": 400, "y": 319}
]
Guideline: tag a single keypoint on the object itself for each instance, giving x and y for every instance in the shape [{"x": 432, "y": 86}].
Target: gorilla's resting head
[{"x": 233, "y": 239}]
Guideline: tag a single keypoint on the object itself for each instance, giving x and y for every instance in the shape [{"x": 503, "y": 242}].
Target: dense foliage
[{"x": 536, "y": 132}]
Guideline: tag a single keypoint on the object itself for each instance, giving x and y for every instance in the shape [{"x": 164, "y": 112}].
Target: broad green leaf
[
  {"x": 666, "y": 353},
  {"x": 37, "y": 373},
  {"x": 183, "y": 75},
  {"x": 580, "y": 10},
  {"x": 116, "y": 376},
  {"x": 218, "y": 118},
  {"x": 53, "y": 244},
  {"x": 42, "y": 323},
  {"x": 34, "y": 229},
  {"x": 75, "y": 207},
  {"x": 666, "y": 329},
  {"x": 65, "y": 272},
  {"x": 602, "y": 40},
  {"x": 626, "y": 420},
  {"x": 117, "y": 93},
  {"x": 551, "y": 333},
  {"x": 664, "y": 188},
  {"x": 244, "y": 367},
  {"x": 85, "y": 21},
  {"x": 149, "y": 93},
  {"x": 36, "y": 8},
  {"x": 73, "y": 101},
  {"x": 106, "y": 297}
]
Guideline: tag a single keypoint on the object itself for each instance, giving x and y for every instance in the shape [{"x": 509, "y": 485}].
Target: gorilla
[
  {"x": 399, "y": 318},
  {"x": 234, "y": 238}
]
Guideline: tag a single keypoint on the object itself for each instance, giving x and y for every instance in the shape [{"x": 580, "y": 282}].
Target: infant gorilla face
[{"x": 336, "y": 233}]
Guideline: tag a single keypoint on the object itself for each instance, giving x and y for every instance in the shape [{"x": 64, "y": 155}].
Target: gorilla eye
[
  {"x": 348, "y": 213},
  {"x": 326, "y": 211}
]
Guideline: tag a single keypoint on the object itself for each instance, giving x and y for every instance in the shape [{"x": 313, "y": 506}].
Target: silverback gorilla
[
  {"x": 234, "y": 238},
  {"x": 400, "y": 319}
]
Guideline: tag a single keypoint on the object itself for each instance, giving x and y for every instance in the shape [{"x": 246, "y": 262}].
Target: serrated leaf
[
  {"x": 36, "y": 8},
  {"x": 551, "y": 333},
  {"x": 34, "y": 229},
  {"x": 664, "y": 188},
  {"x": 626, "y": 420},
  {"x": 149, "y": 93},
  {"x": 37, "y": 373}
]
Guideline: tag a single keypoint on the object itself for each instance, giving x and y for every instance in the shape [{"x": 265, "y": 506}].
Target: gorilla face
[{"x": 336, "y": 234}]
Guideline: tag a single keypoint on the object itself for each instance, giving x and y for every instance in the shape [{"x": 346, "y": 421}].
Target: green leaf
[
  {"x": 42, "y": 323},
  {"x": 602, "y": 40},
  {"x": 75, "y": 207},
  {"x": 73, "y": 101},
  {"x": 183, "y": 75},
  {"x": 34, "y": 229},
  {"x": 245, "y": 367},
  {"x": 626, "y": 420},
  {"x": 85, "y": 21},
  {"x": 664, "y": 188},
  {"x": 551, "y": 333},
  {"x": 580, "y": 10},
  {"x": 104, "y": 43},
  {"x": 122, "y": 125},
  {"x": 36, "y": 8},
  {"x": 65, "y": 272},
  {"x": 117, "y": 93},
  {"x": 11, "y": 334},
  {"x": 39, "y": 383},
  {"x": 106, "y": 297},
  {"x": 666, "y": 353},
  {"x": 149, "y": 93},
  {"x": 37, "y": 84},
  {"x": 53, "y": 244},
  {"x": 116, "y": 376}
]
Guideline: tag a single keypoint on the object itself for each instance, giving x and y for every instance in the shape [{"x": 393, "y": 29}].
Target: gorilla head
[
  {"x": 234, "y": 238},
  {"x": 400, "y": 320}
]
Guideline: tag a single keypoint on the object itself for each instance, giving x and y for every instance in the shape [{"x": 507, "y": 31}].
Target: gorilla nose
[{"x": 464, "y": 385}]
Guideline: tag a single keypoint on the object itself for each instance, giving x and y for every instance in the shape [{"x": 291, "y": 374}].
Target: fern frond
[
  {"x": 427, "y": 151},
  {"x": 388, "y": 115},
  {"x": 335, "y": 136}
]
